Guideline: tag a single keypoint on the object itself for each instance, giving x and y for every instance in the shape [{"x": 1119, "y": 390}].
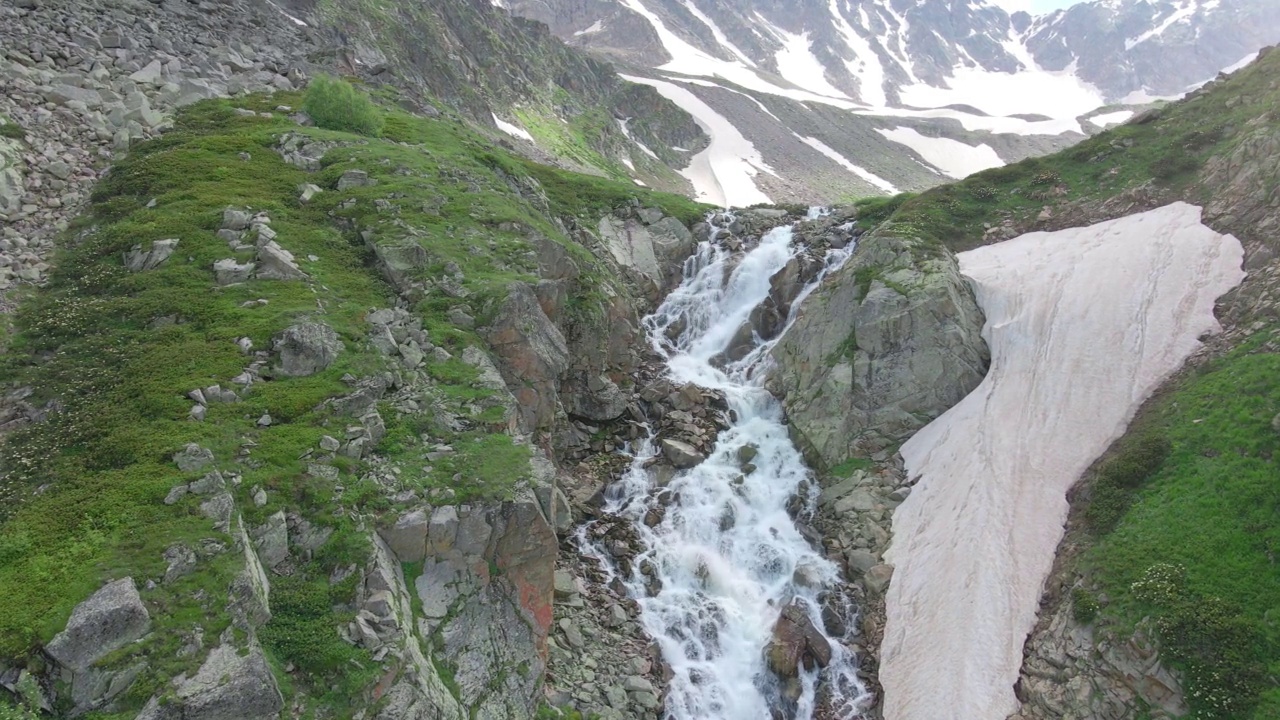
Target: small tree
[{"x": 334, "y": 104}]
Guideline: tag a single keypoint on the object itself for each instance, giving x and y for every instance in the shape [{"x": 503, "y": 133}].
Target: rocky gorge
[{"x": 306, "y": 422}]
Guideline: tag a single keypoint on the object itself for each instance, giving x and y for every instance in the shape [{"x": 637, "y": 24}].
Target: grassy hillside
[
  {"x": 1191, "y": 539},
  {"x": 111, "y": 355}
]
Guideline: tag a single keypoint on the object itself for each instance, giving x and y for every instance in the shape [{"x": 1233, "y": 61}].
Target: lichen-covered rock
[
  {"x": 399, "y": 260},
  {"x": 306, "y": 349},
  {"x": 193, "y": 457},
  {"x": 888, "y": 343},
  {"x": 407, "y": 538},
  {"x": 531, "y": 355},
  {"x": 111, "y": 618},
  {"x": 232, "y": 683},
  {"x": 276, "y": 263},
  {"x": 650, "y": 250},
  {"x": 138, "y": 260}
]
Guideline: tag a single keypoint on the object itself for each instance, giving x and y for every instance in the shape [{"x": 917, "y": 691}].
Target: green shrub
[
  {"x": 15, "y": 712},
  {"x": 12, "y": 130},
  {"x": 304, "y": 629},
  {"x": 334, "y": 104},
  {"x": 1137, "y": 462},
  {"x": 874, "y": 210},
  {"x": 1084, "y": 606},
  {"x": 1120, "y": 476},
  {"x": 1173, "y": 165}
]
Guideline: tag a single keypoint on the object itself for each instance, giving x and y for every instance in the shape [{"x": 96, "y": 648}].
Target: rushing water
[{"x": 727, "y": 552}]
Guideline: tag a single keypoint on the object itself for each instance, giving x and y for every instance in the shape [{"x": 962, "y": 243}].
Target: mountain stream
[{"x": 728, "y": 554}]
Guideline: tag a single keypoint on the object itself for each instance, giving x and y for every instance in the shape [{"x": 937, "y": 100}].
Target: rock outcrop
[
  {"x": 485, "y": 593},
  {"x": 307, "y": 348},
  {"x": 888, "y": 343},
  {"x": 232, "y": 683},
  {"x": 111, "y": 618}
]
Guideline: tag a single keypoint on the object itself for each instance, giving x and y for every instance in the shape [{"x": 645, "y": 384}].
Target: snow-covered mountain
[{"x": 835, "y": 98}]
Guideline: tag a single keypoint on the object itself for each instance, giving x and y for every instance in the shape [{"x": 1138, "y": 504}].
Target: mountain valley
[{"x": 643, "y": 359}]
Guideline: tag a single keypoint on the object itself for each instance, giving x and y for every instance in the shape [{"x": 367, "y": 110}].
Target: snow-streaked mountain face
[{"x": 826, "y": 99}]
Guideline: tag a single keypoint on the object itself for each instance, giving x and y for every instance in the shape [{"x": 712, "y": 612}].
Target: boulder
[
  {"x": 192, "y": 458},
  {"x": 877, "y": 578},
  {"x": 354, "y": 178},
  {"x": 681, "y": 454},
  {"x": 306, "y": 349},
  {"x": 796, "y": 642},
  {"x": 399, "y": 260},
  {"x": 407, "y": 538},
  {"x": 232, "y": 683},
  {"x": 888, "y": 343},
  {"x": 12, "y": 186},
  {"x": 276, "y": 263},
  {"x": 65, "y": 94},
  {"x": 228, "y": 272},
  {"x": 111, "y": 618},
  {"x": 506, "y": 621},
  {"x": 136, "y": 260}
]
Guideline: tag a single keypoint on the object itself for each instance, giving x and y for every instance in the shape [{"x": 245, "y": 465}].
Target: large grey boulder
[
  {"x": 306, "y": 349},
  {"x": 229, "y": 272},
  {"x": 193, "y": 457},
  {"x": 502, "y": 620},
  {"x": 399, "y": 260},
  {"x": 886, "y": 345},
  {"x": 231, "y": 684},
  {"x": 407, "y": 538},
  {"x": 681, "y": 454},
  {"x": 652, "y": 249},
  {"x": 111, "y": 618}
]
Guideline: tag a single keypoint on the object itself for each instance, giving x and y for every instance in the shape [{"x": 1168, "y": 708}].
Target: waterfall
[{"x": 728, "y": 554}]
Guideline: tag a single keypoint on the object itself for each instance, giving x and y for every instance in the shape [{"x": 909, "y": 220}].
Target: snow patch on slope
[
  {"x": 863, "y": 173},
  {"x": 798, "y": 65},
  {"x": 689, "y": 60},
  {"x": 723, "y": 173},
  {"x": 867, "y": 68},
  {"x": 1181, "y": 13},
  {"x": 1057, "y": 95},
  {"x": 954, "y": 158},
  {"x": 717, "y": 33},
  {"x": 1083, "y": 325},
  {"x": 512, "y": 130},
  {"x": 1111, "y": 118},
  {"x": 626, "y": 131}
]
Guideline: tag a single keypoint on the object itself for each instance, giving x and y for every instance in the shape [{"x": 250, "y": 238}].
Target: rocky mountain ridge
[{"x": 848, "y": 99}]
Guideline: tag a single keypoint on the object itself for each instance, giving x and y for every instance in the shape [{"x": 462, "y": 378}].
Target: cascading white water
[{"x": 728, "y": 554}]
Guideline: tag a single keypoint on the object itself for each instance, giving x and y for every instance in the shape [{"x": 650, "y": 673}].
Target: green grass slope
[{"x": 111, "y": 354}]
